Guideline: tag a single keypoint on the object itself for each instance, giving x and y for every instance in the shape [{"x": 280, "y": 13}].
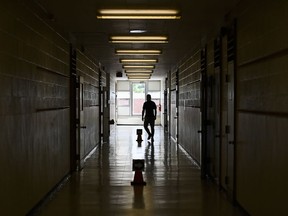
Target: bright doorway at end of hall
[{"x": 130, "y": 97}]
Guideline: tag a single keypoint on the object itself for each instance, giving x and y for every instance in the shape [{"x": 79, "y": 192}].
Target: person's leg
[
  {"x": 146, "y": 128},
  {"x": 152, "y": 124}
]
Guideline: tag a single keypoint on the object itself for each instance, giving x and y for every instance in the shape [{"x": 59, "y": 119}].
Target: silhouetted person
[{"x": 149, "y": 113}]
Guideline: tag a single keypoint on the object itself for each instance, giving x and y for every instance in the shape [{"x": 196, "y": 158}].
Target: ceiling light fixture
[
  {"x": 138, "y": 60},
  {"x": 137, "y": 31},
  {"x": 139, "y": 71},
  {"x": 138, "y": 14},
  {"x": 138, "y": 52},
  {"x": 138, "y": 66},
  {"x": 138, "y": 39},
  {"x": 138, "y": 74},
  {"x": 139, "y": 77}
]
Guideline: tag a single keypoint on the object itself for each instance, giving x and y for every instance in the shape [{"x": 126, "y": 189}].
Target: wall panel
[
  {"x": 262, "y": 104},
  {"x": 34, "y": 109},
  {"x": 189, "y": 105}
]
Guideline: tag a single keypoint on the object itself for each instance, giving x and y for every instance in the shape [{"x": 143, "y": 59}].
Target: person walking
[{"x": 149, "y": 113}]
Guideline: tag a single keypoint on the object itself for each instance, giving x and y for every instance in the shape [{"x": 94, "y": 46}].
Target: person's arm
[
  {"x": 143, "y": 111},
  {"x": 155, "y": 112}
]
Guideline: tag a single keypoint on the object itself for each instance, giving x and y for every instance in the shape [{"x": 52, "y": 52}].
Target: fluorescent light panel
[
  {"x": 138, "y": 17},
  {"x": 138, "y": 71},
  {"x": 147, "y": 75},
  {"x": 138, "y": 66},
  {"x": 138, "y": 39},
  {"x": 138, "y": 60},
  {"x": 138, "y": 74},
  {"x": 139, "y": 77},
  {"x": 137, "y": 11},
  {"x": 138, "y": 52},
  {"x": 138, "y": 14}
]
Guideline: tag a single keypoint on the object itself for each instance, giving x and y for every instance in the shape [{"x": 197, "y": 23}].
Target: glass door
[
  {"x": 131, "y": 97},
  {"x": 138, "y": 97}
]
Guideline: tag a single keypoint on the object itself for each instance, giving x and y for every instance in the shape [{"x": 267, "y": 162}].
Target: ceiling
[{"x": 77, "y": 21}]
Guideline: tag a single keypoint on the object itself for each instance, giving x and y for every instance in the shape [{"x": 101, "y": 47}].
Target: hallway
[{"x": 174, "y": 186}]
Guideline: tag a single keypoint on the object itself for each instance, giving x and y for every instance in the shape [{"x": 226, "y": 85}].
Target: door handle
[{"x": 83, "y": 127}]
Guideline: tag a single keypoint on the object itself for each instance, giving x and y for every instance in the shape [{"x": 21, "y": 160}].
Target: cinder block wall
[
  {"x": 261, "y": 111},
  {"x": 34, "y": 109},
  {"x": 189, "y": 105},
  {"x": 262, "y": 108}
]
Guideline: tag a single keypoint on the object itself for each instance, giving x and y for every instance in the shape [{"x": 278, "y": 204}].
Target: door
[
  {"x": 174, "y": 101},
  {"x": 73, "y": 112},
  {"x": 229, "y": 120},
  {"x": 80, "y": 134},
  {"x": 203, "y": 108},
  {"x": 215, "y": 169},
  {"x": 174, "y": 117},
  {"x": 165, "y": 113},
  {"x": 230, "y": 130},
  {"x": 213, "y": 122},
  {"x": 131, "y": 97},
  {"x": 106, "y": 109}
]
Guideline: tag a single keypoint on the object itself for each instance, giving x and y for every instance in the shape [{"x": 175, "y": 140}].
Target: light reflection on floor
[{"x": 174, "y": 186}]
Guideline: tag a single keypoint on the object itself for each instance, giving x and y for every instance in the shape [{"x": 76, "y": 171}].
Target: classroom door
[{"x": 80, "y": 134}]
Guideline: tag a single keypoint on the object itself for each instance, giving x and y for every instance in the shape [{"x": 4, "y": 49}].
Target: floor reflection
[
  {"x": 174, "y": 186},
  {"x": 138, "y": 201}
]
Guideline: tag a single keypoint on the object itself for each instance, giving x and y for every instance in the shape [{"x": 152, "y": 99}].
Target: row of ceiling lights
[{"x": 138, "y": 68}]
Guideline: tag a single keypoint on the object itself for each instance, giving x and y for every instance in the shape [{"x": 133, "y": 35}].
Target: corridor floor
[{"x": 174, "y": 186}]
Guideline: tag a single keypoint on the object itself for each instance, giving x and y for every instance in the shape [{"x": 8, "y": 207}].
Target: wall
[
  {"x": 91, "y": 104},
  {"x": 189, "y": 105},
  {"x": 34, "y": 109},
  {"x": 261, "y": 97},
  {"x": 262, "y": 108}
]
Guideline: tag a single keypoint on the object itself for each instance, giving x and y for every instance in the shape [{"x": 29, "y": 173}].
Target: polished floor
[{"x": 174, "y": 186}]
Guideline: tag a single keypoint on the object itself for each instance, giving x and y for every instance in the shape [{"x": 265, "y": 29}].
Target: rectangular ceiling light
[
  {"x": 138, "y": 39},
  {"x": 138, "y": 61},
  {"x": 139, "y": 77},
  {"x": 138, "y": 74},
  {"x": 138, "y": 52},
  {"x": 138, "y": 66},
  {"x": 138, "y": 14},
  {"x": 138, "y": 71}
]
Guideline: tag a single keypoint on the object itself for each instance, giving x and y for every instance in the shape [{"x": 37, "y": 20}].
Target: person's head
[{"x": 148, "y": 97}]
